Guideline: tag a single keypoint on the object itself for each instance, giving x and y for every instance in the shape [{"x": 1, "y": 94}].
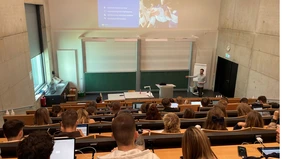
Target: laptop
[
  {"x": 84, "y": 128},
  {"x": 270, "y": 151},
  {"x": 174, "y": 105},
  {"x": 196, "y": 103},
  {"x": 63, "y": 148}
]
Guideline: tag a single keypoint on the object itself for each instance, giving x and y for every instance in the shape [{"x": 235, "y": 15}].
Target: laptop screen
[
  {"x": 83, "y": 128},
  {"x": 196, "y": 103},
  {"x": 174, "y": 105},
  {"x": 63, "y": 148}
]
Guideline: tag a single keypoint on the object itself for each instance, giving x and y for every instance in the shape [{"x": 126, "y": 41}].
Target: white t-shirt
[{"x": 134, "y": 153}]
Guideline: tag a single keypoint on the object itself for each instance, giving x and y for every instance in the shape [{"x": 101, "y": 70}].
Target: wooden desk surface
[{"x": 222, "y": 152}]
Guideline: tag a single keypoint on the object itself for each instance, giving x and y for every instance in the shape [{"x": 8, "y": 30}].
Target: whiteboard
[
  {"x": 111, "y": 56},
  {"x": 197, "y": 68},
  {"x": 67, "y": 66},
  {"x": 165, "y": 55}
]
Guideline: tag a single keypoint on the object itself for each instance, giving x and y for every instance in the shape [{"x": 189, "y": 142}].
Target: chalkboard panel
[
  {"x": 96, "y": 82},
  {"x": 150, "y": 78}
]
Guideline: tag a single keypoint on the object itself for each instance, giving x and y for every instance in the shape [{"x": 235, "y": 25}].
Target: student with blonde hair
[
  {"x": 253, "y": 119},
  {"x": 83, "y": 117},
  {"x": 171, "y": 123},
  {"x": 42, "y": 117},
  {"x": 243, "y": 109},
  {"x": 196, "y": 145},
  {"x": 179, "y": 100}
]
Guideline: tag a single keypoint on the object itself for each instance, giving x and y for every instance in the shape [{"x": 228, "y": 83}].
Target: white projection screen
[
  {"x": 169, "y": 55},
  {"x": 110, "y": 56}
]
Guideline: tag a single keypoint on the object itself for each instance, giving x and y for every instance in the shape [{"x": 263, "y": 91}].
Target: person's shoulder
[{"x": 150, "y": 155}]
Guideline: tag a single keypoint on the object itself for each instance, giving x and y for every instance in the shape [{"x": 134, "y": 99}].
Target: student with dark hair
[
  {"x": 253, "y": 119},
  {"x": 215, "y": 120},
  {"x": 153, "y": 113},
  {"x": 124, "y": 132},
  {"x": 115, "y": 108},
  {"x": 56, "y": 111},
  {"x": 171, "y": 100},
  {"x": 205, "y": 102},
  {"x": 68, "y": 125},
  {"x": 179, "y": 100},
  {"x": 38, "y": 145},
  {"x": 144, "y": 107},
  {"x": 13, "y": 130},
  {"x": 225, "y": 99},
  {"x": 42, "y": 117},
  {"x": 189, "y": 113},
  {"x": 166, "y": 103},
  {"x": 262, "y": 99},
  {"x": 98, "y": 99},
  {"x": 244, "y": 100},
  {"x": 196, "y": 145},
  {"x": 222, "y": 107},
  {"x": 91, "y": 110},
  {"x": 243, "y": 109}
]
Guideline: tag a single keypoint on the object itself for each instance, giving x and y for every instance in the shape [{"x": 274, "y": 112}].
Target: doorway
[{"x": 226, "y": 75}]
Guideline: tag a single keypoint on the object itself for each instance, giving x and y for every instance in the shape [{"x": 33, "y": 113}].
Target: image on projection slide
[{"x": 137, "y": 13}]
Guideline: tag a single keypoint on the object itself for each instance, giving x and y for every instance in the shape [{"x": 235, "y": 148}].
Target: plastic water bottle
[
  {"x": 12, "y": 112},
  {"x": 7, "y": 112},
  {"x": 140, "y": 142}
]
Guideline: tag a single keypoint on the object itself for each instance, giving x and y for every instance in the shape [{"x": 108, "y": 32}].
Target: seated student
[
  {"x": 56, "y": 111},
  {"x": 153, "y": 113},
  {"x": 179, "y": 100},
  {"x": 196, "y": 145},
  {"x": 68, "y": 125},
  {"x": 253, "y": 119},
  {"x": 224, "y": 99},
  {"x": 274, "y": 121},
  {"x": 171, "y": 123},
  {"x": 144, "y": 107},
  {"x": 91, "y": 110},
  {"x": 83, "y": 117},
  {"x": 124, "y": 132},
  {"x": 222, "y": 107},
  {"x": 42, "y": 117},
  {"x": 115, "y": 108},
  {"x": 171, "y": 100},
  {"x": 13, "y": 130},
  {"x": 262, "y": 100},
  {"x": 205, "y": 102},
  {"x": 166, "y": 103},
  {"x": 189, "y": 113},
  {"x": 99, "y": 99},
  {"x": 243, "y": 109},
  {"x": 244, "y": 100},
  {"x": 215, "y": 120},
  {"x": 38, "y": 145}
]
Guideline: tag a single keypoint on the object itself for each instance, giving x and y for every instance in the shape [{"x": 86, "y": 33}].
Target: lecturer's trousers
[{"x": 200, "y": 91}]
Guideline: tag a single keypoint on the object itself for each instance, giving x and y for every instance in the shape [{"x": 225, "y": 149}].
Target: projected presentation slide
[{"x": 137, "y": 14}]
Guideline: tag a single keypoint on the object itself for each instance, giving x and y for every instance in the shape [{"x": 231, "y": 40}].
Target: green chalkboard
[
  {"x": 151, "y": 78},
  {"x": 96, "y": 82}
]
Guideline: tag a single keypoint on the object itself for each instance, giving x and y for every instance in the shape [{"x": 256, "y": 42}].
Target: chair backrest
[
  {"x": 43, "y": 126},
  {"x": 234, "y": 100},
  {"x": 264, "y": 129},
  {"x": 26, "y": 119},
  {"x": 161, "y": 133},
  {"x": 28, "y": 112},
  {"x": 144, "y": 120},
  {"x": 182, "y": 107},
  {"x": 232, "y": 106},
  {"x": 205, "y": 109},
  {"x": 209, "y": 130},
  {"x": 101, "y": 105},
  {"x": 85, "y": 137}
]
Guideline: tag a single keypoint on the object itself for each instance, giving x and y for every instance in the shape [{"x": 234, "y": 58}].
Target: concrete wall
[
  {"x": 251, "y": 29},
  {"x": 72, "y": 18},
  {"x": 16, "y": 86}
]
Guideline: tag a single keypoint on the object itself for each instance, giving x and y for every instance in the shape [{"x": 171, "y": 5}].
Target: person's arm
[
  {"x": 191, "y": 76},
  {"x": 274, "y": 120}
]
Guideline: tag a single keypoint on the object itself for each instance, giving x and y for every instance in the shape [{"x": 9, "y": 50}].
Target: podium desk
[
  {"x": 137, "y": 95},
  {"x": 116, "y": 96},
  {"x": 166, "y": 91}
]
